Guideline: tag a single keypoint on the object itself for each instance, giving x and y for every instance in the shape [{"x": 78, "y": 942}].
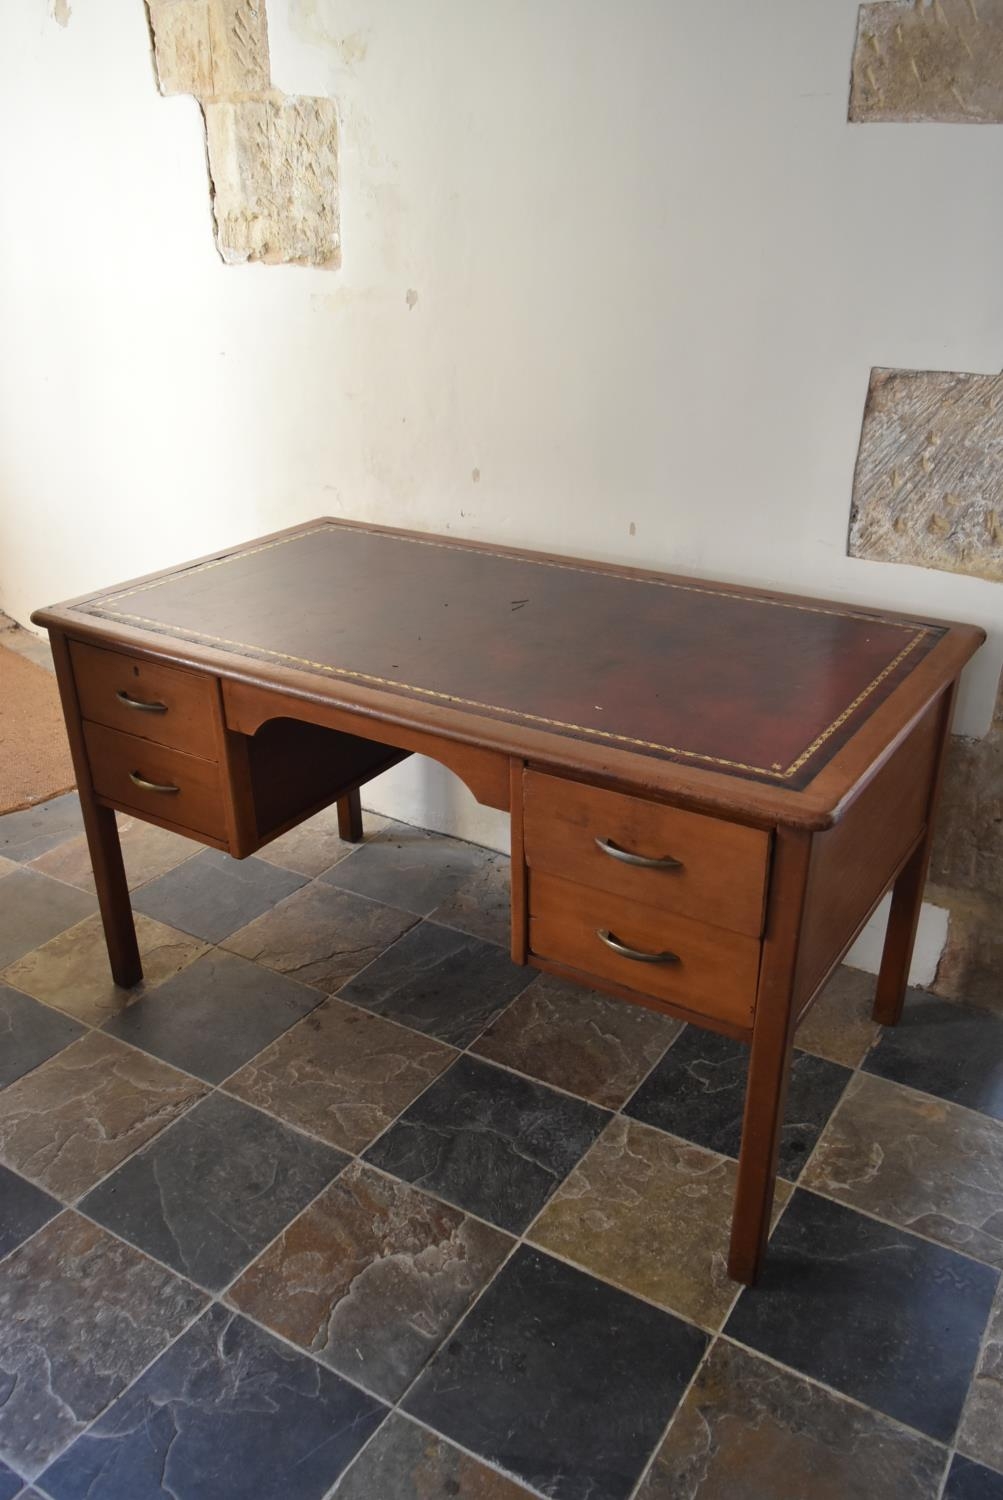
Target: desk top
[{"x": 730, "y": 682}]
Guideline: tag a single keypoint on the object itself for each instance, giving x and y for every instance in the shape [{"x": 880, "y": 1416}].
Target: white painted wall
[{"x": 654, "y": 267}]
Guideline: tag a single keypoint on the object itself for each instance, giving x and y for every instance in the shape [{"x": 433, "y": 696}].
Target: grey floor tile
[
  {"x": 212, "y": 895},
  {"x": 24, "y": 1208},
  {"x": 10, "y": 1483},
  {"x": 482, "y": 904},
  {"x": 408, "y": 868},
  {"x": 26, "y": 834},
  {"x": 490, "y": 1142},
  {"x": 226, "y": 1413},
  {"x": 212, "y": 1192},
  {"x": 697, "y": 1091},
  {"x": 215, "y": 1015},
  {"x": 34, "y": 909},
  {"x": 878, "y": 1314},
  {"x": 971, "y": 1481},
  {"x": 559, "y": 1379},
  {"x": 945, "y": 1048},
  {"x": 29, "y": 1033},
  {"x": 81, "y": 1314},
  {"x": 439, "y": 981}
]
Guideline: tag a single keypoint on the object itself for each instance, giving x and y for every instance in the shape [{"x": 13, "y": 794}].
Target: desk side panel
[{"x": 853, "y": 864}]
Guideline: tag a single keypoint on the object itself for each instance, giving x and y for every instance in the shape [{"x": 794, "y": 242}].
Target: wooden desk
[{"x": 711, "y": 788}]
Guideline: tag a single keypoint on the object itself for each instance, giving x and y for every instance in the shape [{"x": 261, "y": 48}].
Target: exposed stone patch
[
  {"x": 929, "y": 60},
  {"x": 273, "y": 160},
  {"x": 274, "y": 166},
  {"x": 210, "y": 48},
  {"x": 928, "y": 487}
]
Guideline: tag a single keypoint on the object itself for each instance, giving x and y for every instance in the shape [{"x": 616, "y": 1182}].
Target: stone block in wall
[
  {"x": 929, "y": 60},
  {"x": 928, "y": 487},
  {"x": 210, "y": 48},
  {"x": 274, "y": 168}
]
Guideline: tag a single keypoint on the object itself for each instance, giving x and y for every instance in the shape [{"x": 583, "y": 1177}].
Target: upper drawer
[
  {"x": 678, "y": 861},
  {"x": 164, "y": 704}
]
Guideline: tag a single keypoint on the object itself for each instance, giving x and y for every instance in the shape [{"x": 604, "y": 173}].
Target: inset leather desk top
[{"x": 753, "y": 686}]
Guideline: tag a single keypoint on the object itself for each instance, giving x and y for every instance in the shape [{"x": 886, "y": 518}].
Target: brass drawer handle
[
  {"x": 645, "y": 861},
  {"x": 151, "y": 786},
  {"x": 638, "y": 954},
  {"x": 146, "y": 708}
]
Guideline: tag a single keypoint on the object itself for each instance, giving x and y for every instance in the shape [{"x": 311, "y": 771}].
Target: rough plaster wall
[
  {"x": 929, "y": 60},
  {"x": 613, "y": 282},
  {"x": 273, "y": 160},
  {"x": 928, "y": 487}
]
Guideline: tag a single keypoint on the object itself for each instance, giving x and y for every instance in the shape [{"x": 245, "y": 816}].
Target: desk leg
[
  {"x": 907, "y": 893},
  {"x": 350, "y": 817},
  {"x": 770, "y": 1058},
  {"x": 114, "y": 901}
]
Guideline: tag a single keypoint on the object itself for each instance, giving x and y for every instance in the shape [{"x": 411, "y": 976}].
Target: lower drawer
[
  {"x": 700, "y": 968},
  {"x": 148, "y": 778}
]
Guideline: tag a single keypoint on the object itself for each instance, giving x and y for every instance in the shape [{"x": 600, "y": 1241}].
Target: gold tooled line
[{"x": 605, "y": 734}]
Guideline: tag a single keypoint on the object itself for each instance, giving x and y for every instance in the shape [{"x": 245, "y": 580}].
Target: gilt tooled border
[{"x": 775, "y": 772}]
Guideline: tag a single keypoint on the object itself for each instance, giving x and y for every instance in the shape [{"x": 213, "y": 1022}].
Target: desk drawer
[
  {"x": 116, "y": 758},
  {"x": 146, "y": 699},
  {"x": 714, "y": 974},
  {"x": 714, "y": 871}
]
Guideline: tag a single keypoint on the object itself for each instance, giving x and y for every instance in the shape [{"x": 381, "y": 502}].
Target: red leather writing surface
[{"x": 754, "y": 687}]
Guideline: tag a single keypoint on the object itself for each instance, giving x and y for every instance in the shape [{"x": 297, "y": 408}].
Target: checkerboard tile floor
[{"x": 342, "y": 1203}]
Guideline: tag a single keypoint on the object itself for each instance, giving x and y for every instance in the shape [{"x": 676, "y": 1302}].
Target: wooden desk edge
[{"x": 816, "y": 808}]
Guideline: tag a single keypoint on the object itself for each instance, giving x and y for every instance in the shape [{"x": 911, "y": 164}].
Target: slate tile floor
[{"x": 343, "y": 1205}]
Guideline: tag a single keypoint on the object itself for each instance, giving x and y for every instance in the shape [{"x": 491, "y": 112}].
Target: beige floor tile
[
  {"x": 919, "y": 1162},
  {"x": 652, "y": 1214},
  {"x": 341, "y": 1074},
  {"x": 839, "y": 1024},
  {"x": 316, "y": 844},
  {"x": 371, "y": 1278},
  {"x": 148, "y": 851},
  {"x": 7, "y": 867},
  {"x": 71, "y": 971},
  {"x": 320, "y": 935},
  {"x": 578, "y": 1040},
  {"x": 67, "y": 1124}
]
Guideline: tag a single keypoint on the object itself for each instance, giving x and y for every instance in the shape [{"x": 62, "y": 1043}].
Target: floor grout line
[{"x": 653, "y": 1455}]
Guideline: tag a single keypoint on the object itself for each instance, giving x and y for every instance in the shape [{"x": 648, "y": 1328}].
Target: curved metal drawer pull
[
  {"x": 151, "y": 786},
  {"x": 646, "y": 861},
  {"x": 639, "y": 954},
  {"x": 146, "y": 708}
]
